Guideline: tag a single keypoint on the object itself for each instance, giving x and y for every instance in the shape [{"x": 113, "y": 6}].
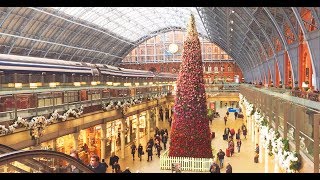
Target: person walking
[
  {"x": 229, "y": 168},
  {"x": 165, "y": 140},
  {"x": 225, "y": 120},
  {"x": 244, "y": 130},
  {"x": 104, "y": 165},
  {"x": 140, "y": 151},
  {"x": 113, "y": 160},
  {"x": 220, "y": 156},
  {"x": 239, "y": 144},
  {"x": 149, "y": 151},
  {"x": 133, "y": 150}
]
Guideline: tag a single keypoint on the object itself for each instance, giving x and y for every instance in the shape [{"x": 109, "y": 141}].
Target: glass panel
[{"x": 136, "y": 21}]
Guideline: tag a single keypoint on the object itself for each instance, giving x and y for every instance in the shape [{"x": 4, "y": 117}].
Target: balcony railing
[{"x": 302, "y": 98}]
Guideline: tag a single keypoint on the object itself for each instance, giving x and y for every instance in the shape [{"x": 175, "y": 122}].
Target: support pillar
[
  {"x": 138, "y": 129},
  {"x": 266, "y": 161},
  {"x": 285, "y": 119},
  {"x": 316, "y": 119},
  {"x": 54, "y": 144},
  {"x": 148, "y": 124},
  {"x": 248, "y": 126},
  {"x": 256, "y": 136},
  {"x": 103, "y": 141},
  {"x": 122, "y": 137},
  {"x": 276, "y": 163},
  {"x": 163, "y": 113},
  {"x": 297, "y": 119},
  {"x": 262, "y": 150},
  {"x": 253, "y": 130},
  {"x": 276, "y": 114},
  {"x": 170, "y": 110},
  {"x": 157, "y": 117},
  {"x": 129, "y": 129},
  {"x": 75, "y": 138}
]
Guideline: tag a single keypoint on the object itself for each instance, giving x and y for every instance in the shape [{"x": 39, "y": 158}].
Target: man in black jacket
[
  {"x": 220, "y": 156},
  {"x": 113, "y": 159},
  {"x": 95, "y": 165},
  {"x": 229, "y": 168}
]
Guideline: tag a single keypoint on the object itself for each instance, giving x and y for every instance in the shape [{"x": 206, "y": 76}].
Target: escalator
[{"x": 38, "y": 161}]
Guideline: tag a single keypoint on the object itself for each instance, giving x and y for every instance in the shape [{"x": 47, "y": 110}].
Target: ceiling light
[
  {"x": 231, "y": 22},
  {"x": 231, "y": 29},
  {"x": 232, "y": 11}
]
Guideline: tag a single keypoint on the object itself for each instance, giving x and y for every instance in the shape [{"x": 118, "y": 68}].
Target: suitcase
[
  {"x": 225, "y": 136},
  {"x": 228, "y": 152},
  {"x": 256, "y": 159},
  {"x": 213, "y": 135},
  {"x": 232, "y": 132}
]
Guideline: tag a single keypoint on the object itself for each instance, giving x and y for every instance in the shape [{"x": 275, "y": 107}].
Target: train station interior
[{"x": 159, "y": 89}]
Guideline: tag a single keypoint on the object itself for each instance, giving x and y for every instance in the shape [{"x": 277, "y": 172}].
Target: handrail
[
  {"x": 18, "y": 155},
  {"x": 29, "y": 162}
]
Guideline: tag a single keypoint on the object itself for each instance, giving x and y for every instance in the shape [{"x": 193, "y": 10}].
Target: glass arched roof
[{"x": 132, "y": 23}]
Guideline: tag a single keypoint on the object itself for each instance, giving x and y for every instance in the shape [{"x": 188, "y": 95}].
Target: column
[
  {"x": 248, "y": 125},
  {"x": 253, "y": 130},
  {"x": 164, "y": 112},
  {"x": 129, "y": 129},
  {"x": 285, "y": 119},
  {"x": 157, "y": 117},
  {"x": 266, "y": 161},
  {"x": 122, "y": 137},
  {"x": 256, "y": 136},
  {"x": 138, "y": 129},
  {"x": 276, "y": 114},
  {"x": 103, "y": 133},
  {"x": 297, "y": 119},
  {"x": 75, "y": 138},
  {"x": 276, "y": 163},
  {"x": 316, "y": 119},
  {"x": 262, "y": 150},
  {"x": 148, "y": 124},
  {"x": 54, "y": 144},
  {"x": 170, "y": 110}
]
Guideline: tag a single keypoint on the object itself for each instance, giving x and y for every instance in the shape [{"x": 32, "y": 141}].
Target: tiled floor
[{"x": 241, "y": 162}]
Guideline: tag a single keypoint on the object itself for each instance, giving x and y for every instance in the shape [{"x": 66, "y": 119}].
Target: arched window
[
  {"x": 221, "y": 68},
  {"x": 229, "y": 68},
  {"x": 216, "y": 69}
]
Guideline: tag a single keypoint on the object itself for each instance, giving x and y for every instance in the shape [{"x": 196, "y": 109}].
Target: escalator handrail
[
  {"x": 30, "y": 162},
  {"x": 18, "y": 155}
]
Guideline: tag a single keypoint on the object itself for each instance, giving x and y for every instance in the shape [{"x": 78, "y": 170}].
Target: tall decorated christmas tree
[{"x": 190, "y": 132}]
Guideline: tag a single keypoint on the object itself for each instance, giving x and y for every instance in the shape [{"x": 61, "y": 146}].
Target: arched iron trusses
[
  {"x": 245, "y": 48},
  {"x": 271, "y": 45},
  {"x": 313, "y": 43},
  {"x": 217, "y": 40}
]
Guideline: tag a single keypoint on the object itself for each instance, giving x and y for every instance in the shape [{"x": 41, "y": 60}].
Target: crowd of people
[{"x": 159, "y": 142}]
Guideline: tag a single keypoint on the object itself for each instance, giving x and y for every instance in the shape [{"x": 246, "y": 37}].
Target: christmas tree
[{"x": 190, "y": 132}]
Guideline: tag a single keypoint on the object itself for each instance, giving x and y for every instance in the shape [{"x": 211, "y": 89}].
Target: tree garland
[
  {"x": 37, "y": 124},
  {"x": 273, "y": 142},
  {"x": 126, "y": 104}
]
